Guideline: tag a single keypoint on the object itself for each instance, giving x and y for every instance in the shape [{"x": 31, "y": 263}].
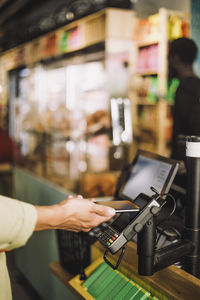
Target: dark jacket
[{"x": 186, "y": 114}]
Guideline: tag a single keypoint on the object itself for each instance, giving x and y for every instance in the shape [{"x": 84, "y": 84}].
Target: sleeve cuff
[
  {"x": 18, "y": 220},
  {"x": 28, "y": 225}
]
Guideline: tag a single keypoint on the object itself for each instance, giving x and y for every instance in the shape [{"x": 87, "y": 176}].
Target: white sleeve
[{"x": 17, "y": 222}]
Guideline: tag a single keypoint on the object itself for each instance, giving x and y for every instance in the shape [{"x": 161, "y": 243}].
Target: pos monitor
[{"x": 148, "y": 170}]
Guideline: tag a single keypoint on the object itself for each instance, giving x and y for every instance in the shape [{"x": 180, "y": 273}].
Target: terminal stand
[
  {"x": 146, "y": 248},
  {"x": 187, "y": 249},
  {"x": 150, "y": 260}
]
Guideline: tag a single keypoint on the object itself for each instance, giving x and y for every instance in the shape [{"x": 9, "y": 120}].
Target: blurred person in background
[{"x": 186, "y": 110}]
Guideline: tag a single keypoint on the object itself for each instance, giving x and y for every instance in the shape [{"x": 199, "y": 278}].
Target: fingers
[
  {"x": 104, "y": 211},
  {"x": 83, "y": 214},
  {"x": 98, "y": 220}
]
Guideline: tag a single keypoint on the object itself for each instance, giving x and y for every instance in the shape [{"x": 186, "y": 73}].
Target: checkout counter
[
  {"x": 41, "y": 253},
  {"x": 167, "y": 284}
]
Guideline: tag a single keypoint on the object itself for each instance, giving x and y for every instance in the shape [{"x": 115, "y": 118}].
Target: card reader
[{"x": 128, "y": 224}]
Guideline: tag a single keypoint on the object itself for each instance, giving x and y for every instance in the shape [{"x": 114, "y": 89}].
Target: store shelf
[
  {"x": 152, "y": 38},
  {"x": 146, "y": 43},
  {"x": 61, "y": 115},
  {"x": 148, "y": 73},
  {"x": 109, "y": 23},
  {"x": 145, "y": 101}
]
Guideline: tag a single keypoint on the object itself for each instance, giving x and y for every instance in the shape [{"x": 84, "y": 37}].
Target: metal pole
[{"x": 192, "y": 209}]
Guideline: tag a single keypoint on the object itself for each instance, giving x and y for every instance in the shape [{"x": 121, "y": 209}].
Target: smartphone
[{"x": 120, "y": 206}]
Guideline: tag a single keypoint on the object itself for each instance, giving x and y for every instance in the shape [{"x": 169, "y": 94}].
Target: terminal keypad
[{"x": 108, "y": 237}]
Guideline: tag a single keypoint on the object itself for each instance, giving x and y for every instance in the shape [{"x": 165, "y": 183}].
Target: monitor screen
[{"x": 148, "y": 170}]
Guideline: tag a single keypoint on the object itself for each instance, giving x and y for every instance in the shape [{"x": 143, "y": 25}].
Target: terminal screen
[{"x": 147, "y": 172}]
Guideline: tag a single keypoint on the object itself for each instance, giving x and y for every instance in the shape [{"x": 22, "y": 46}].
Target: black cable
[
  {"x": 165, "y": 194},
  {"x": 171, "y": 213},
  {"x": 174, "y": 207},
  {"x": 169, "y": 227}
]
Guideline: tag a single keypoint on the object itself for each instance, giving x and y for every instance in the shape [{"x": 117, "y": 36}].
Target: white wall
[{"x": 145, "y": 8}]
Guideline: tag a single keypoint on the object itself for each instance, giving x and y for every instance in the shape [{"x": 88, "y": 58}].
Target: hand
[{"x": 74, "y": 214}]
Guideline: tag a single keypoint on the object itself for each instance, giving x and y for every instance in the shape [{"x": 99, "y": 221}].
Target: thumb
[{"x": 104, "y": 210}]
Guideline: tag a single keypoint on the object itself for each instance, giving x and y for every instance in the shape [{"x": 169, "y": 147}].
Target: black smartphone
[{"x": 120, "y": 206}]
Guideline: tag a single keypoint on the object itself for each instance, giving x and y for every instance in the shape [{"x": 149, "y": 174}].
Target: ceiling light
[{"x": 69, "y": 15}]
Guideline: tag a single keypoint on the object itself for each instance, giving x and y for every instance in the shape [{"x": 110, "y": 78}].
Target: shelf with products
[
  {"x": 146, "y": 124},
  {"x": 66, "y": 95},
  {"x": 106, "y": 24},
  {"x": 145, "y": 101},
  {"x": 148, "y": 59},
  {"x": 147, "y": 43},
  {"x": 154, "y": 93}
]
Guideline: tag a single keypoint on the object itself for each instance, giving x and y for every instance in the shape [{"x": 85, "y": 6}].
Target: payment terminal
[
  {"x": 145, "y": 183},
  {"x": 128, "y": 224}
]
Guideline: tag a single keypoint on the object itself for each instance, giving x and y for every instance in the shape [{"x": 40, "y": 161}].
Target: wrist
[{"x": 47, "y": 217}]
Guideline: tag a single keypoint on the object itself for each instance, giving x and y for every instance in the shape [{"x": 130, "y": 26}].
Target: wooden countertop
[{"x": 169, "y": 283}]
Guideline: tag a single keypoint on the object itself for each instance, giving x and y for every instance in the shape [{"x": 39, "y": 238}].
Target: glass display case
[
  {"x": 60, "y": 111},
  {"x": 66, "y": 126}
]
